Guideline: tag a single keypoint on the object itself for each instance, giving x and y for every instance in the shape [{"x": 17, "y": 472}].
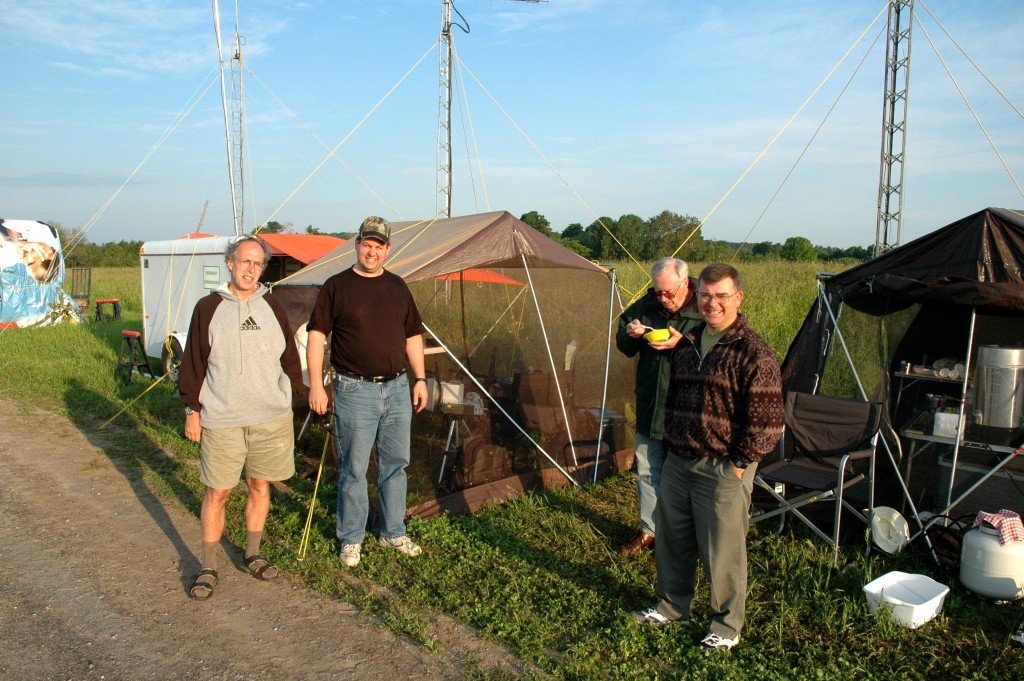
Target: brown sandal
[
  {"x": 203, "y": 590},
  {"x": 259, "y": 571}
]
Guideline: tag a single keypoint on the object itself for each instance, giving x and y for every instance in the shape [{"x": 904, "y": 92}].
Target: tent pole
[
  {"x": 551, "y": 359},
  {"x": 963, "y": 396},
  {"x": 484, "y": 391},
  {"x": 607, "y": 364},
  {"x": 888, "y": 451}
]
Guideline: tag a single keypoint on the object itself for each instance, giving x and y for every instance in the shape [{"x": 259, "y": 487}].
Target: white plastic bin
[{"x": 911, "y": 600}]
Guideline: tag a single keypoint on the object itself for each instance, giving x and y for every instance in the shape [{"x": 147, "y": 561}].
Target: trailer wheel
[{"x": 170, "y": 359}]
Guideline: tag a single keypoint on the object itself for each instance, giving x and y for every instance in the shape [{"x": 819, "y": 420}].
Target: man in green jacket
[{"x": 670, "y": 303}]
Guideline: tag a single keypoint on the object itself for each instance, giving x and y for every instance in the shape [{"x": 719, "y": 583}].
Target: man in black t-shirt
[{"x": 376, "y": 333}]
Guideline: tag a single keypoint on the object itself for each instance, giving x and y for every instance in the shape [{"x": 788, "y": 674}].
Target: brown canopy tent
[{"x": 526, "y": 391}]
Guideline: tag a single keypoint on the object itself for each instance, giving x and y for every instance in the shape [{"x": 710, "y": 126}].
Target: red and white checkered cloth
[{"x": 1007, "y": 522}]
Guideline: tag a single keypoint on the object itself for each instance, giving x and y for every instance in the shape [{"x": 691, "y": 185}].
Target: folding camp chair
[{"x": 828, "y": 447}]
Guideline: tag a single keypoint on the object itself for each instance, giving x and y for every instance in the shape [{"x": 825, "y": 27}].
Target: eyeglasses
[
  {"x": 720, "y": 297},
  {"x": 667, "y": 294},
  {"x": 249, "y": 264}
]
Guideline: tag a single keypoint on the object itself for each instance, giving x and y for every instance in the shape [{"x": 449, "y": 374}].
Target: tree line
[{"x": 605, "y": 239}]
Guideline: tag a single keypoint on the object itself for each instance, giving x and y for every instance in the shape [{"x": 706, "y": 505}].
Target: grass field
[{"x": 540, "y": 574}]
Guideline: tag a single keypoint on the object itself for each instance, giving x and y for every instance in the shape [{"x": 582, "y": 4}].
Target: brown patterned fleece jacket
[{"x": 727, "y": 404}]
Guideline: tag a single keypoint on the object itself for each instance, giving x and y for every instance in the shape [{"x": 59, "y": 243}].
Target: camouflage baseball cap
[{"x": 377, "y": 228}]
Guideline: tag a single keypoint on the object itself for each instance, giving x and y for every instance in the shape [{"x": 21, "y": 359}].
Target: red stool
[
  {"x": 131, "y": 357},
  {"x": 114, "y": 303}
]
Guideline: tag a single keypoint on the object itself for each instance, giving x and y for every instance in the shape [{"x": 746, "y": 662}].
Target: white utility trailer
[
  {"x": 175, "y": 274},
  {"x": 178, "y": 272}
]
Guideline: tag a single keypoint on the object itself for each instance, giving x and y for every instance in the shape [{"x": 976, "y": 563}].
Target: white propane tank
[{"x": 990, "y": 569}]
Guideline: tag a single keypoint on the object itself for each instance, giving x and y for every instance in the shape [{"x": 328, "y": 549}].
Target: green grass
[{"x": 539, "y": 574}]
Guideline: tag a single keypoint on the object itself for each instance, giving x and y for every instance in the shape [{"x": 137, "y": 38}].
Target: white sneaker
[
  {"x": 402, "y": 544},
  {"x": 652, "y": 616},
  {"x": 350, "y": 554},
  {"x": 716, "y": 642}
]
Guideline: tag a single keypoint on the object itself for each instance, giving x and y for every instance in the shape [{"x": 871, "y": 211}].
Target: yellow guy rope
[
  {"x": 346, "y": 137},
  {"x": 977, "y": 68},
  {"x": 977, "y": 119},
  {"x": 807, "y": 146},
  {"x": 137, "y": 398},
  {"x": 339, "y": 159},
  {"x": 779, "y": 133},
  {"x": 550, "y": 164},
  {"x": 304, "y": 542},
  {"x": 342, "y": 255},
  {"x": 167, "y": 133},
  {"x": 476, "y": 147}
]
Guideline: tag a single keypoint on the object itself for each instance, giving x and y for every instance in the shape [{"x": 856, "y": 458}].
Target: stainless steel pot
[{"x": 999, "y": 386}]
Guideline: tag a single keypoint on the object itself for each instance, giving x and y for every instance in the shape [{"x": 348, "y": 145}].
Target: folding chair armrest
[{"x": 860, "y": 454}]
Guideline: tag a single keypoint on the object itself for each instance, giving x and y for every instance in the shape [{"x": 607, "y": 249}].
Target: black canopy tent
[{"x": 942, "y": 295}]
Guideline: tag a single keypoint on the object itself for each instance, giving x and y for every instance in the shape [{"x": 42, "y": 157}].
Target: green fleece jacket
[{"x": 652, "y": 367}]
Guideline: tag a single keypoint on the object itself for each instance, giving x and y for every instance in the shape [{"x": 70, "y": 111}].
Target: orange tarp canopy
[
  {"x": 303, "y": 247},
  {"x": 479, "y": 274}
]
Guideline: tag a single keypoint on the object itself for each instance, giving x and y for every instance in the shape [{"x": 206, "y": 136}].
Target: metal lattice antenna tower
[
  {"x": 444, "y": 117},
  {"x": 227, "y": 119},
  {"x": 238, "y": 129},
  {"x": 894, "y": 126}
]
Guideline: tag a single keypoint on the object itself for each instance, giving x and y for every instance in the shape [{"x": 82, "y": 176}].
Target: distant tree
[
  {"x": 310, "y": 229},
  {"x": 766, "y": 249},
  {"x": 598, "y": 241},
  {"x": 275, "y": 227},
  {"x": 710, "y": 251},
  {"x": 631, "y": 231},
  {"x": 798, "y": 249},
  {"x": 572, "y": 238},
  {"x": 862, "y": 253},
  {"x": 578, "y": 248},
  {"x": 539, "y": 223},
  {"x": 573, "y": 231},
  {"x": 669, "y": 230}
]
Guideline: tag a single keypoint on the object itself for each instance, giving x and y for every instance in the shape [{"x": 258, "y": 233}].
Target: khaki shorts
[{"x": 266, "y": 451}]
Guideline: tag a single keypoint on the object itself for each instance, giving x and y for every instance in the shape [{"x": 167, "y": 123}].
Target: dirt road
[{"x": 95, "y": 571}]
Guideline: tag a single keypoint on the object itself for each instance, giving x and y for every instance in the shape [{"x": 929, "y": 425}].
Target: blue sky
[{"x": 639, "y": 105}]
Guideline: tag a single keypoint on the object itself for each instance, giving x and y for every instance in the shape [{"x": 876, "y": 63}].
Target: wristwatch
[
  {"x": 420, "y": 378},
  {"x": 189, "y": 411},
  {"x": 739, "y": 463}
]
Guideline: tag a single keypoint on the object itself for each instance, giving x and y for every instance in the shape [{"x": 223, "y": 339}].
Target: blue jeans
[
  {"x": 366, "y": 414},
  {"x": 650, "y": 457}
]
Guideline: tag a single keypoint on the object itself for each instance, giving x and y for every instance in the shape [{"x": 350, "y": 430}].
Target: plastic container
[
  {"x": 911, "y": 600},
  {"x": 945, "y": 424},
  {"x": 990, "y": 569},
  {"x": 657, "y": 335}
]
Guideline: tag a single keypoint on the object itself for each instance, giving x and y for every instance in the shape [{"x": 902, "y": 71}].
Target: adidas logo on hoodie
[{"x": 250, "y": 325}]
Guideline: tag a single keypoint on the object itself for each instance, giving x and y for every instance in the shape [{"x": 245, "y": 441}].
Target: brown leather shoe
[{"x": 637, "y": 544}]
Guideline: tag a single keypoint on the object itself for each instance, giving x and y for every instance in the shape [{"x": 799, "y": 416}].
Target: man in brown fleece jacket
[{"x": 723, "y": 415}]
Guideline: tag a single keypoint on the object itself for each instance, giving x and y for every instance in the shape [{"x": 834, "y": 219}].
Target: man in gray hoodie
[{"x": 237, "y": 373}]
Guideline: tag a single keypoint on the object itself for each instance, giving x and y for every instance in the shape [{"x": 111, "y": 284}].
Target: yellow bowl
[{"x": 657, "y": 335}]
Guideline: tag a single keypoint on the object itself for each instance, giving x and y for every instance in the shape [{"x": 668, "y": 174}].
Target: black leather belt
[{"x": 371, "y": 379}]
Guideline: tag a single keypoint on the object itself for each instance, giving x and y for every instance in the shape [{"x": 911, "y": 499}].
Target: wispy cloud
[
  {"x": 50, "y": 180},
  {"x": 121, "y": 38}
]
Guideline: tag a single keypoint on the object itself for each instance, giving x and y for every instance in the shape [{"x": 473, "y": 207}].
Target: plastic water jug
[{"x": 990, "y": 569}]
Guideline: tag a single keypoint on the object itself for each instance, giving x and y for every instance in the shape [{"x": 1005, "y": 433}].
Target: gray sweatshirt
[{"x": 240, "y": 360}]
